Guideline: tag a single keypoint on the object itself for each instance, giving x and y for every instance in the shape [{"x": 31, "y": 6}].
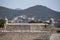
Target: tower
[
  {"x": 51, "y": 21},
  {"x": 6, "y": 20},
  {"x": 51, "y": 25}
]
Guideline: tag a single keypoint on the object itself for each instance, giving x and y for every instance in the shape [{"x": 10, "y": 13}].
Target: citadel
[{"x": 28, "y": 31}]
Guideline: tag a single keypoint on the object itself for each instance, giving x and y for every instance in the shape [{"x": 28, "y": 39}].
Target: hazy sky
[{"x": 23, "y": 4}]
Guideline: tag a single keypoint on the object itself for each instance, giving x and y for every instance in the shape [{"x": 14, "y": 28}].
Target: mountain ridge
[{"x": 39, "y": 11}]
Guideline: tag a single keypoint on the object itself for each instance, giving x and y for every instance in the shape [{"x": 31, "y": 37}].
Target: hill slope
[{"x": 39, "y": 11}]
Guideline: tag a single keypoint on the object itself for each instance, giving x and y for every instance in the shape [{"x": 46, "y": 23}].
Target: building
[{"x": 27, "y": 31}]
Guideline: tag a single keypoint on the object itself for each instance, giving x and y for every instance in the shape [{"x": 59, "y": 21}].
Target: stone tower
[
  {"x": 51, "y": 25},
  {"x": 51, "y": 21},
  {"x": 5, "y": 23},
  {"x": 6, "y": 20}
]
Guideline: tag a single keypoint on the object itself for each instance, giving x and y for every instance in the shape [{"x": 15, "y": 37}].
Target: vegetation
[
  {"x": 38, "y": 11},
  {"x": 32, "y": 21},
  {"x": 2, "y": 21},
  {"x": 58, "y": 26},
  {"x": 58, "y": 31}
]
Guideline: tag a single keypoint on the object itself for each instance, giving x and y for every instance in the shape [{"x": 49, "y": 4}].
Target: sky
[{"x": 23, "y": 4}]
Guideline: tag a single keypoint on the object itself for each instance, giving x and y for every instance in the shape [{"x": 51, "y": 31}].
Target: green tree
[
  {"x": 32, "y": 21},
  {"x": 2, "y": 21}
]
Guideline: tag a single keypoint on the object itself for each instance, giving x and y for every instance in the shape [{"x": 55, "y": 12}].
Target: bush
[
  {"x": 32, "y": 21},
  {"x": 58, "y": 31},
  {"x": 2, "y": 21},
  {"x": 58, "y": 26}
]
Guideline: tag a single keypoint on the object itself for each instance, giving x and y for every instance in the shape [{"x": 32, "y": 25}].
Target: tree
[
  {"x": 33, "y": 21},
  {"x": 2, "y": 21}
]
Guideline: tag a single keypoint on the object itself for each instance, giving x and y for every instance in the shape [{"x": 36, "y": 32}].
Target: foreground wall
[
  {"x": 22, "y": 31},
  {"x": 24, "y": 35},
  {"x": 25, "y": 32}
]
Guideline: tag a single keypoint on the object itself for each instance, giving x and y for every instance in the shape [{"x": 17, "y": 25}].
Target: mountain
[
  {"x": 9, "y": 13},
  {"x": 38, "y": 11},
  {"x": 41, "y": 12}
]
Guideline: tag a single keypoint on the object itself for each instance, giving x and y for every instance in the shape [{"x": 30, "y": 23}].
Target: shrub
[{"x": 2, "y": 21}]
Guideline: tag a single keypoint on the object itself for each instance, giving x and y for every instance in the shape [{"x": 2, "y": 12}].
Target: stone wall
[
  {"x": 24, "y": 35},
  {"x": 26, "y": 32},
  {"x": 55, "y": 36},
  {"x": 42, "y": 32},
  {"x": 25, "y": 27}
]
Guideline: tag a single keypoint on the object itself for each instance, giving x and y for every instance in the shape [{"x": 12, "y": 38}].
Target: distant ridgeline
[{"x": 38, "y": 11}]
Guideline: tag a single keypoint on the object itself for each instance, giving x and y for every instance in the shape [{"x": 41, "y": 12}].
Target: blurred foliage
[
  {"x": 58, "y": 31},
  {"x": 33, "y": 21},
  {"x": 2, "y": 21},
  {"x": 58, "y": 26}
]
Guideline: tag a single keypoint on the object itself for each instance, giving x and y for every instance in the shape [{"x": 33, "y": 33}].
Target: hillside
[{"x": 38, "y": 11}]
